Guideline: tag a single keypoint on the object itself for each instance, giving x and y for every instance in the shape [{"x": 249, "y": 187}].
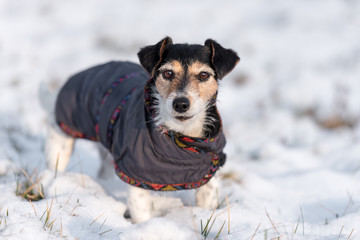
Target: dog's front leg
[
  {"x": 207, "y": 195},
  {"x": 139, "y": 204}
]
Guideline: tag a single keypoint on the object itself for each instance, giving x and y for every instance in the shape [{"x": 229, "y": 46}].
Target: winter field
[{"x": 291, "y": 113}]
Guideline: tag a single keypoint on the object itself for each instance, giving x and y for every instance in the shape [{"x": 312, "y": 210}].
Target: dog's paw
[{"x": 139, "y": 204}]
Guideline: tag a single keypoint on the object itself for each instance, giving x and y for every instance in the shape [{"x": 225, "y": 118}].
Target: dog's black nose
[{"x": 181, "y": 104}]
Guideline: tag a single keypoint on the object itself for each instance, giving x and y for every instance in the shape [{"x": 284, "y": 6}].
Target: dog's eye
[
  {"x": 203, "y": 76},
  {"x": 168, "y": 74}
]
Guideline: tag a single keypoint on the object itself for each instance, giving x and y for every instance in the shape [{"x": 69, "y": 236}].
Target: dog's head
[{"x": 186, "y": 80}]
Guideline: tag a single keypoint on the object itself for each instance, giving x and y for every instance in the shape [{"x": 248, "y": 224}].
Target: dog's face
[{"x": 186, "y": 80}]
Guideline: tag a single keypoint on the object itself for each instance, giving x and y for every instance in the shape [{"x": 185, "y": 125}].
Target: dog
[{"x": 157, "y": 122}]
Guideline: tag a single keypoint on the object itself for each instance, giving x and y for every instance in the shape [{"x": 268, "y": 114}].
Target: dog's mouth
[{"x": 183, "y": 118}]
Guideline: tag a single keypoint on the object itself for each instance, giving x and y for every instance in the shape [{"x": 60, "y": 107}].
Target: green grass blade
[{"x": 217, "y": 236}]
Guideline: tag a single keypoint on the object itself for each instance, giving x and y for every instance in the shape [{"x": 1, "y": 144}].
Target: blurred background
[{"x": 292, "y": 104}]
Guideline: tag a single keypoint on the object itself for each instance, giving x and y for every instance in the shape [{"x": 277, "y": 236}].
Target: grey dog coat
[{"x": 112, "y": 104}]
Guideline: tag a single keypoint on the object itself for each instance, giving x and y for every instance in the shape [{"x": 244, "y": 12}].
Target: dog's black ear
[
  {"x": 223, "y": 60},
  {"x": 151, "y": 56}
]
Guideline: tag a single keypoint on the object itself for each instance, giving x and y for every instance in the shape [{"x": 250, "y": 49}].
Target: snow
[{"x": 287, "y": 175}]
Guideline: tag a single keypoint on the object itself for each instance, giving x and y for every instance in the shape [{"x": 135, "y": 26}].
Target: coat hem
[{"x": 171, "y": 187}]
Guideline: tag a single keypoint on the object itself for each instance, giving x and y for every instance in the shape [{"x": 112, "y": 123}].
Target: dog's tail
[{"x": 47, "y": 97}]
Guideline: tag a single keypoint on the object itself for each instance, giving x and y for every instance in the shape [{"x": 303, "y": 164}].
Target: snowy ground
[{"x": 291, "y": 113}]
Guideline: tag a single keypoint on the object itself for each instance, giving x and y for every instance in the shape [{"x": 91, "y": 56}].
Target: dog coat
[{"x": 112, "y": 104}]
